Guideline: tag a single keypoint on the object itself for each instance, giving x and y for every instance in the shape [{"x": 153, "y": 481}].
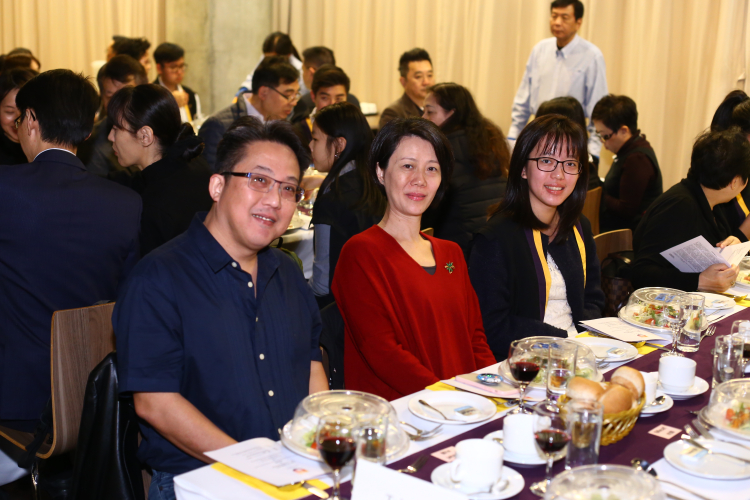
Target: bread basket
[{"x": 616, "y": 426}]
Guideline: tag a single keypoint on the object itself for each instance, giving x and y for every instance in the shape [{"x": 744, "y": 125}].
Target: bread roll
[
  {"x": 630, "y": 379},
  {"x": 584, "y": 389},
  {"x": 616, "y": 399}
]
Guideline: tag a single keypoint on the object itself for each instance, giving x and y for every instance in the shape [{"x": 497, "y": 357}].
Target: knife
[
  {"x": 693, "y": 442},
  {"x": 702, "y": 429}
]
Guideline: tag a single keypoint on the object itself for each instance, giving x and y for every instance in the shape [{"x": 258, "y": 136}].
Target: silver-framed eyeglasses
[
  {"x": 290, "y": 98},
  {"x": 547, "y": 164},
  {"x": 263, "y": 184}
]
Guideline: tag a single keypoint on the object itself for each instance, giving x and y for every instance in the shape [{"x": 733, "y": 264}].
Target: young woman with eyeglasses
[
  {"x": 534, "y": 264},
  {"x": 10, "y": 83}
]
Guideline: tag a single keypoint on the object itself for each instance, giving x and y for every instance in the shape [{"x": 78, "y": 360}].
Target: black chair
[{"x": 332, "y": 342}]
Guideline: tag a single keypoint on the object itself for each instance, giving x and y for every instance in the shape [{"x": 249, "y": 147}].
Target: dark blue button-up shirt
[{"x": 188, "y": 321}]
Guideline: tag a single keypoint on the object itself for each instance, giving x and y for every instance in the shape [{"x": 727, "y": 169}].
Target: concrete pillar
[{"x": 222, "y": 41}]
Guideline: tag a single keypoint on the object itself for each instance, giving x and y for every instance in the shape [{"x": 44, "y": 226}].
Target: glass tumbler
[
  {"x": 695, "y": 316},
  {"x": 371, "y": 437},
  {"x": 584, "y": 419},
  {"x": 561, "y": 367},
  {"x": 728, "y": 363}
]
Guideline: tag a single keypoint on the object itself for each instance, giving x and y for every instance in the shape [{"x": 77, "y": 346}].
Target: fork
[
  {"x": 420, "y": 434},
  {"x": 418, "y": 464},
  {"x": 709, "y": 332}
]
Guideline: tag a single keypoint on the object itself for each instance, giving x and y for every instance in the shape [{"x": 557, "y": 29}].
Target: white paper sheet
[
  {"x": 375, "y": 482},
  {"x": 618, "y": 329},
  {"x": 268, "y": 461},
  {"x": 696, "y": 255}
]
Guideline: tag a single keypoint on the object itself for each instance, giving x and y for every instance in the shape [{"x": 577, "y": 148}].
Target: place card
[
  {"x": 446, "y": 454},
  {"x": 664, "y": 431},
  {"x": 375, "y": 482}
]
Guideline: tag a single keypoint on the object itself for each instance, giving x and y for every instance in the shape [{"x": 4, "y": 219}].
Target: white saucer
[
  {"x": 442, "y": 477},
  {"x": 447, "y": 402},
  {"x": 710, "y": 466},
  {"x": 668, "y": 403},
  {"x": 601, "y": 346},
  {"x": 699, "y": 387},
  {"x": 521, "y": 459}
]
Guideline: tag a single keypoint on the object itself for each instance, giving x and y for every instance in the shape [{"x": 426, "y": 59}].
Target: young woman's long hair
[
  {"x": 345, "y": 120},
  {"x": 553, "y": 132},
  {"x": 723, "y": 117},
  {"x": 488, "y": 149}
]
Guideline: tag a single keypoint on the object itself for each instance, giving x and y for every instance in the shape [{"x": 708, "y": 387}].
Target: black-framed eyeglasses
[
  {"x": 20, "y": 118},
  {"x": 547, "y": 164},
  {"x": 290, "y": 98},
  {"x": 605, "y": 137},
  {"x": 263, "y": 184},
  {"x": 181, "y": 67}
]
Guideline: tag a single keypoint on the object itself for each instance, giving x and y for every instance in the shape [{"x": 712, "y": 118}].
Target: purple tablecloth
[{"x": 639, "y": 443}]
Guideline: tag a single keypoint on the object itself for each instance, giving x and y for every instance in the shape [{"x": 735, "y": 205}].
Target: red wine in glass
[
  {"x": 551, "y": 440},
  {"x": 524, "y": 371},
  {"x": 337, "y": 451}
]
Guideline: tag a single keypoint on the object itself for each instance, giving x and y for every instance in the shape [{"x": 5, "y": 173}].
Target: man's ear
[
  {"x": 402, "y": 80},
  {"x": 263, "y": 93},
  {"x": 216, "y": 185}
]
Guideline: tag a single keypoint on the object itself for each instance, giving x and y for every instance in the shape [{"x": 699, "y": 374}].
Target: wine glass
[
  {"x": 551, "y": 436},
  {"x": 674, "y": 313},
  {"x": 525, "y": 361},
  {"x": 337, "y": 443}
]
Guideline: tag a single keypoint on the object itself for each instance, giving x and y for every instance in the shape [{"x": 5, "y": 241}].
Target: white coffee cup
[
  {"x": 676, "y": 374},
  {"x": 478, "y": 465},
  {"x": 518, "y": 434},
  {"x": 650, "y": 379}
]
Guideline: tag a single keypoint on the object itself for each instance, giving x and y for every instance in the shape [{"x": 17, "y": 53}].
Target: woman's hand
[
  {"x": 718, "y": 278},
  {"x": 732, "y": 240}
]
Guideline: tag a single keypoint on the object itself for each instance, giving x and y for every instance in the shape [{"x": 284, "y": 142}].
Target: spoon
[
  {"x": 658, "y": 401},
  {"x": 645, "y": 466},
  {"x": 428, "y": 405}
]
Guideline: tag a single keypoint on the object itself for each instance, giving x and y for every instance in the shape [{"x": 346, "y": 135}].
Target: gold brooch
[{"x": 449, "y": 266}]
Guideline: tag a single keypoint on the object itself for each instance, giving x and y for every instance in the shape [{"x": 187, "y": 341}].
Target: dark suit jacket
[
  {"x": 305, "y": 106},
  {"x": 67, "y": 239},
  {"x": 404, "y": 107},
  {"x": 192, "y": 106},
  {"x": 214, "y": 127}
]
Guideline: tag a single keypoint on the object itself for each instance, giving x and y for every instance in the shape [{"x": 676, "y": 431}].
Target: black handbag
[{"x": 616, "y": 283}]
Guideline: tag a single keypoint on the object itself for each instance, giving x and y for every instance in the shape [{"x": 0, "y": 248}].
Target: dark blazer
[
  {"x": 192, "y": 106},
  {"x": 214, "y": 127},
  {"x": 404, "y": 107},
  {"x": 67, "y": 239},
  {"x": 679, "y": 215},
  {"x": 503, "y": 272},
  {"x": 305, "y": 106}
]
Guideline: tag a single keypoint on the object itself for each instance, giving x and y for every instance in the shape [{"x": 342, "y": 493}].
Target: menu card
[
  {"x": 268, "y": 461},
  {"x": 618, "y": 329},
  {"x": 375, "y": 482},
  {"x": 696, "y": 255}
]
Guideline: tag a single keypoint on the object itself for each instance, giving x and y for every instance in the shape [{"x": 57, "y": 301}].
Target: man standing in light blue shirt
[{"x": 565, "y": 65}]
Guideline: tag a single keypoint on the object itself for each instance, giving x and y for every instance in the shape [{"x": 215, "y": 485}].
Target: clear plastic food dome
[
  {"x": 729, "y": 407},
  {"x": 298, "y": 434},
  {"x": 591, "y": 482},
  {"x": 645, "y": 307}
]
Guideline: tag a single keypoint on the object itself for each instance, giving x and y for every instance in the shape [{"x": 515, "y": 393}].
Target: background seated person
[
  {"x": 534, "y": 265},
  {"x": 480, "y": 171},
  {"x": 137, "y": 48},
  {"x": 569, "y": 107},
  {"x": 330, "y": 85},
  {"x": 348, "y": 201},
  {"x": 719, "y": 169},
  {"x": 11, "y": 152},
  {"x": 281, "y": 45},
  {"x": 171, "y": 67},
  {"x": 172, "y": 177},
  {"x": 411, "y": 315},
  {"x": 735, "y": 111},
  {"x": 217, "y": 334},
  {"x": 633, "y": 181},
  {"x": 415, "y": 68}
]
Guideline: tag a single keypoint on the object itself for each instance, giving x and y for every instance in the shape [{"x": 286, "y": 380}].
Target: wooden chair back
[
  {"x": 591, "y": 208},
  {"x": 81, "y": 338},
  {"x": 613, "y": 241}
]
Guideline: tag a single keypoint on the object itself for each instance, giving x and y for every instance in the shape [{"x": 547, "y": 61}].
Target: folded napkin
[
  {"x": 269, "y": 489},
  {"x": 642, "y": 348},
  {"x": 442, "y": 386}
]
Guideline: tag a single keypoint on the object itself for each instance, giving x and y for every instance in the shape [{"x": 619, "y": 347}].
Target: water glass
[
  {"x": 371, "y": 437},
  {"x": 584, "y": 420},
  {"x": 673, "y": 314},
  {"x": 728, "y": 363},
  {"x": 695, "y": 317},
  {"x": 561, "y": 367},
  {"x": 741, "y": 328}
]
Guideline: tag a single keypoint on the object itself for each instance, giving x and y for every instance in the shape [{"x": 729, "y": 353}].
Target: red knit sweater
[{"x": 406, "y": 329}]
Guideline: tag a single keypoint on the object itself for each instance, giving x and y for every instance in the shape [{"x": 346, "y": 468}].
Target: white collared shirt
[
  {"x": 50, "y": 149},
  {"x": 184, "y": 116},
  {"x": 576, "y": 70},
  {"x": 251, "y": 111}
]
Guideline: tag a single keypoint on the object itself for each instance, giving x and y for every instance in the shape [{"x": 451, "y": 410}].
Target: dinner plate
[
  {"x": 601, "y": 346},
  {"x": 743, "y": 275},
  {"x": 668, "y": 403},
  {"x": 663, "y": 330},
  {"x": 447, "y": 402},
  {"x": 296, "y": 223},
  {"x": 442, "y": 477},
  {"x": 520, "y": 458},
  {"x": 715, "y": 302},
  {"x": 710, "y": 466},
  {"x": 699, "y": 387}
]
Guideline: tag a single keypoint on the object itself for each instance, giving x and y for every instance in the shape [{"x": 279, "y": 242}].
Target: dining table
[{"x": 208, "y": 483}]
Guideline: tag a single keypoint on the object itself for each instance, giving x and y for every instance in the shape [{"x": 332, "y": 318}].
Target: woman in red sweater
[{"x": 412, "y": 317}]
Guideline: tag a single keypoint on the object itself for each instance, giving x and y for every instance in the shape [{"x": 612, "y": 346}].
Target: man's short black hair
[
  {"x": 168, "y": 52},
  {"x": 719, "y": 157},
  {"x": 315, "y": 57},
  {"x": 134, "y": 47},
  {"x": 413, "y": 55},
  {"x": 64, "y": 103},
  {"x": 272, "y": 72},
  {"x": 280, "y": 44},
  {"x": 122, "y": 68},
  {"x": 577, "y": 7},
  {"x": 247, "y": 130},
  {"x": 615, "y": 111},
  {"x": 329, "y": 75}
]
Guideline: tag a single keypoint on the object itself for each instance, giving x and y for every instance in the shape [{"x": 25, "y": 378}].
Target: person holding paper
[
  {"x": 534, "y": 264},
  {"x": 719, "y": 170}
]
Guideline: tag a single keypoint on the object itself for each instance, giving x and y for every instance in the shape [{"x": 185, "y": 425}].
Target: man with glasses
[
  {"x": 274, "y": 94},
  {"x": 171, "y": 67},
  {"x": 217, "y": 334},
  {"x": 564, "y": 65}
]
